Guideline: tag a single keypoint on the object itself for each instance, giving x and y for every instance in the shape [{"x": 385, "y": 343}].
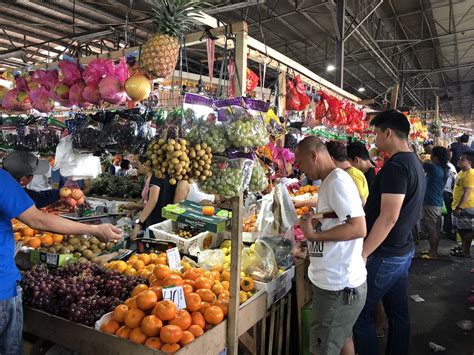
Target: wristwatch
[{"x": 138, "y": 222}]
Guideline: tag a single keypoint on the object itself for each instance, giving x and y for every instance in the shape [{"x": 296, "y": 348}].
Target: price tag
[
  {"x": 174, "y": 259},
  {"x": 51, "y": 259},
  {"x": 176, "y": 295}
]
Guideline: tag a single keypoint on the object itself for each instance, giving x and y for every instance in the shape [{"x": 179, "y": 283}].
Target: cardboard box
[
  {"x": 165, "y": 231},
  {"x": 278, "y": 287},
  {"x": 53, "y": 260},
  {"x": 191, "y": 213}
]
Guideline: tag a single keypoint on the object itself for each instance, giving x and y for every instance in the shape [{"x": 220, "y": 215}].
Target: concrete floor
[{"x": 444, "y": 284}]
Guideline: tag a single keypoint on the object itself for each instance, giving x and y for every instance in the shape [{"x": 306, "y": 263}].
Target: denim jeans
[
  {"x": 11, "y": 325},
  {"x": 387, "y": 280}
]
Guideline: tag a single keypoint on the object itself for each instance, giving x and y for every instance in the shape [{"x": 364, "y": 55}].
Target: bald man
[{"x": 335, "y": 241}]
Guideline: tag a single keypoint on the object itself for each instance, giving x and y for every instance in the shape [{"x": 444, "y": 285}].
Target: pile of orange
[
  {"x": 306, "y": 189},
  {"x": 139, "y": 265},
  {"x": 249, "y": 223},
  {"x": 145, "y": 318},
  {"x": 34, "y": 238},
  {"x": 302, "y": 210}
]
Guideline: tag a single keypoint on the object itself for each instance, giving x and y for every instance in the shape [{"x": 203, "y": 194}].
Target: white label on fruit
[
  {"x": 176, "y": 295},
  {"x": 174, "y": 259}
]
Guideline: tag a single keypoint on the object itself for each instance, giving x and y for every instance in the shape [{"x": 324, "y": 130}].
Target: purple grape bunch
[{"x": 79, "y": 292}]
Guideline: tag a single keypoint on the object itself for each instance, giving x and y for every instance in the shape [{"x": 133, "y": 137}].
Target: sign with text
[
  {"x": 174, "y": 259},
  {"x": 176, "y": 295}
]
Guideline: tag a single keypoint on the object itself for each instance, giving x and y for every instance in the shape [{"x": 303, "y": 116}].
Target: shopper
[
  {"x": 392, "y": 210},
  {"x": 463, "y": 204},
  {"x": 458, "y": 148},
  {"x": 125, "y": 168},
  {"x": 336, "y": 270},
  {"x": 338, "y": 153},
  {"x": 448, "y": 200},
  {"x": 23, "y": 166},
  {"x": 437, "y": 172},
  {"x": 15, "y": 203},
  {"x": 359, "y": 157}
]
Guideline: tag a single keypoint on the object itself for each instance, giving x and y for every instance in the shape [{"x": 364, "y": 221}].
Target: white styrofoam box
[
  {"x": 278, "y": 287},
  {"x": 165, "y": 231}
]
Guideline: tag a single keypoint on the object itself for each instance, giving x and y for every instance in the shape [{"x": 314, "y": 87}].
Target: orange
[
  {"x": 147, "y": 300},
  {"x": 204, "y": 307},
  {"x": 214, "y": 315},
  {"x": 145, "y": 258},
  {"x": 196, "y": 330},
  {"x": 224, "y": 305},
  {"x": 217, "y": 288},
  {"x": 226, "y": 285},
  {"x": 154, "y": 343},
  {"x": 132, "y": 259},
  {"x": 152, "y": 278},
  {"x": 134, "y": 318},
  {"x": 161, "y": 259},
  {"x": 187, "y": 289},
  {"x": 188, "y": 282},
  {"x": 171, "y": 334},
  {"x": 139, "y": 288},
  {"x": 198, "y": 319},
  {"x": 153, "y": 257},
  {"x": 186, "y": 338},
  {"x": 216, "y": 275},
  {"x": 225, "y": 276},
  {"x": 34, "y": 242},
  {"x": 25, "y": 240},
  {"x": 131, "y": 302},
  {"x": 193, "y": 302},
  {"x": 58, "y": 238},
  {"x": 120, "y": 266},
  {"x": 151, "y": 325},
  {"x": 131, "y": 271},
  {"x": 165, "y": 310},
  {"x": 145, "y": 273},
  {"x": 170, "y": 348},
  {"x": 193, "y": 274},
  {"x": 110, "y": 326},
  {"x": 158, "y": 290},
  {"x": 224, "y": 295},
  {"x": 206, "y": 295},
  {"x": 120, "y": 312},
  {"x": 123, "y": 332},
  {"x": 161, "y": 271},
  {"x": 139, "y": 264},
  {"x": 136, "y": 336},
  {"x": 27, "y": 231},
  {"x": 157, "y": 283},
  {"x": 173, "y": 280},
  {"x": 202, "y": 282},
  {"x": 17, "y": 236},
  {"x": 182, "y": 319}
]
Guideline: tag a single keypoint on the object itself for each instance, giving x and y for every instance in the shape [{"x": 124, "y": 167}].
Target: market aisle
[{"x": 444, "y": 285}]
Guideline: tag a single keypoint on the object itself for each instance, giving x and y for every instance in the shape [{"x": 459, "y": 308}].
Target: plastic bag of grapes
[
  {"x": 87, "y": 137},
  {"x": 119, "y": 135},
  {"x": 259, "y": 179},
  {"x": 243, "y": 129},
  {"x": 198, "y": 110},
  {"x": 230, "y": 177}
]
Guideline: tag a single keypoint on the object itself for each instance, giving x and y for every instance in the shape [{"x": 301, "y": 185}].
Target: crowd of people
[{"x": 361, "y": 240}]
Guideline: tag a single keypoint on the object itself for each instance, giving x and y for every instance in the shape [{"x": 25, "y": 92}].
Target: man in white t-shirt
[{"x": 335, "y": 241}]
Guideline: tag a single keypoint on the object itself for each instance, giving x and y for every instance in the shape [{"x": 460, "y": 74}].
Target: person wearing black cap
[
  {"x": 23, "y": 166},
  {"x": 15, "y": 203}
]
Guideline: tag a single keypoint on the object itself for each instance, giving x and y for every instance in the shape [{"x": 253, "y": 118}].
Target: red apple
[{"x": 70, "y": 201}]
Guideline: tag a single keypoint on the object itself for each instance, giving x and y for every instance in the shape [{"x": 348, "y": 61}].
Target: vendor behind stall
[{"x": 23, "y": 166}]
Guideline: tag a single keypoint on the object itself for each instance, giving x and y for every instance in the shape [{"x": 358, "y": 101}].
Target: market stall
[{"x": 186, "y": 146}]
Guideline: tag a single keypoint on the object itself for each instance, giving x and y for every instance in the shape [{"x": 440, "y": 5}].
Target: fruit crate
[
  {"x": 278, "y": 287},
  {"x": 165, "y": 231},
  {"x": 51, "y": 260}
]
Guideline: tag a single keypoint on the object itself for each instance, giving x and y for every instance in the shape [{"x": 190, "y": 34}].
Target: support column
[
  {"x": 394, "y": 97},
  {"x": 241, "y": 61},
  {"x": 437, "y": 123},
  {"x": 340, "y": 14}
]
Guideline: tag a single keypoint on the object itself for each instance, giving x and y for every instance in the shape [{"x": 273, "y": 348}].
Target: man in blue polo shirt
[{"x": 15, "y": 203}]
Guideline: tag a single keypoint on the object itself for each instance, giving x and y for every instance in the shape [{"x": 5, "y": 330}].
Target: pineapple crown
[{"x": 173, "y": 17}]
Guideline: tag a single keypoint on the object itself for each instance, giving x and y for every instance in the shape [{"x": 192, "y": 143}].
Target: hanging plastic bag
[
  {"x": 60, "y": 93},
  {"x": 71, "y": 72},
  {"x": 41, "y": 100},
  {"x": 46, "y": 78},
  {"x": 259, "y": 262},
  {"x": 229, "y": 178},
  {"x": 287, "y": 209},
  {"x": 303, "y": 97},
  {"x": 259, "y": 179},
  {"x": 71, "y": 194},
  {"x": 252, "y": 80},
  {"x": 211, "y": 257},
  {"x": 97, "y": 70},
  {"x": 75, "y": 96},
  {"x": 17, "y": 99},
  {"x": 282, "y": 248},
  {"x": 292, "y": 97}
]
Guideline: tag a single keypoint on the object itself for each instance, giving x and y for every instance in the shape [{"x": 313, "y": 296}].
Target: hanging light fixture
[
  {"x": 361, "y": 89},
  {"x": 330, "y": 67}
]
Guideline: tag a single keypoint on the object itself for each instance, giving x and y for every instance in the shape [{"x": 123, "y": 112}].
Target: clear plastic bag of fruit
[
  {"x": 259, "y": 179},
  {"x": 211, "y": 257},
  {"x": 229, "y": 177},
  {"x": 259, "y": 261},
  {"x": 119, "y": 135},
  {"x": 282, "y": 248},
  {"x": 86, "y": 133},
  {"x": 243, "y": 129},
  {"x": 71, "y": 194},
  {"x": 198, "y": 110}
]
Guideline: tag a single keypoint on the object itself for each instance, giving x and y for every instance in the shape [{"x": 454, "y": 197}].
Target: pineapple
[{"x": 160, "y": 53}]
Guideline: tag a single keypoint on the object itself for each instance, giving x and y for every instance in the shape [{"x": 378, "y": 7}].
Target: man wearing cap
[
  {"x": 15, "y": 203},
  {"x": 23, "y": 166}
]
